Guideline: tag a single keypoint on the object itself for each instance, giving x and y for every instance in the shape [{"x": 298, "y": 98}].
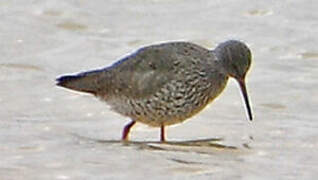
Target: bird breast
[{"x": 173, "y": 103}]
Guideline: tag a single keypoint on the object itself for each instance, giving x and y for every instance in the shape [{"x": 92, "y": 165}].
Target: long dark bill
[{"x": 245, "y": 96}]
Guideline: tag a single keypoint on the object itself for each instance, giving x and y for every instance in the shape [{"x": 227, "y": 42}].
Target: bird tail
[{"x": 84, "y": 82}]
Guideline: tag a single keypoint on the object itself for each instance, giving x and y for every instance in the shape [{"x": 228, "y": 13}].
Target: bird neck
[{"x": 218, "y": 62}]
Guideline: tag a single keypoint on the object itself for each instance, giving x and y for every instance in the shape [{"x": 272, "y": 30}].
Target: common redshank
[{"x": 165, "y": 84}]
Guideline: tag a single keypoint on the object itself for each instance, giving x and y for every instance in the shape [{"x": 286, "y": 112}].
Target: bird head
[{"x": 236, "y": 59}]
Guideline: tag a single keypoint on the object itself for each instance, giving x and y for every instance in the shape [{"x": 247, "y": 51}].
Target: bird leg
[
  {"x": 162, "y": 134},
  {"x": 127, "y": 130}
]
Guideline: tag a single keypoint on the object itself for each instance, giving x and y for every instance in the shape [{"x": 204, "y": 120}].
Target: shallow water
[{"x": 48, "y": 132}]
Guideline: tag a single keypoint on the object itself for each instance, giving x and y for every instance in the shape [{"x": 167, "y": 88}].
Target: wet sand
[{"x": 48, "y": 132}]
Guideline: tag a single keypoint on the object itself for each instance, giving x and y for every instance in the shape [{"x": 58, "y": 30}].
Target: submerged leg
[
  {"x": 162, "y": 134},
  {"x": 127, "y": 130}
]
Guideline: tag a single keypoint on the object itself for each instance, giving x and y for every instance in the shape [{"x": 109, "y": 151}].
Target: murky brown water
[{"x": 51, "y": 133}]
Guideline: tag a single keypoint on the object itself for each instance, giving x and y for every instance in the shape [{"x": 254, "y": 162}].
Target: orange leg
[
  {"x": 162, "y": 134},
  {"x": 127, "y": 130}
]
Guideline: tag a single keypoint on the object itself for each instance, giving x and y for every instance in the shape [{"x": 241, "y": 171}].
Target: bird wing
[
  {"x": 146, "y": 71},
  {"x": 143, "y": 73}
]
